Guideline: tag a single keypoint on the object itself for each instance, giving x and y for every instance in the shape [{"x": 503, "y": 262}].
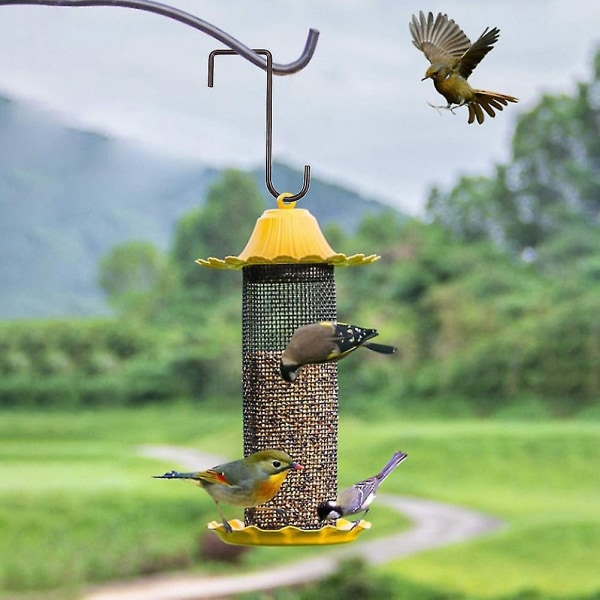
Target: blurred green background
[{"x": 493, "y": 299}]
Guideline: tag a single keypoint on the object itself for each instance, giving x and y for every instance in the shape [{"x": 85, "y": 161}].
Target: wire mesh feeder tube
[{"x": 300, "y": 418}]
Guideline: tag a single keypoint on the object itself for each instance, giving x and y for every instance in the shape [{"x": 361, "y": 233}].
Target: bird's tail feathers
[
  {"x": 208, "y": 476},
  {"x": 381, "y": 348},
  {"x": 174, "y": 475},
  {"x": 487, "y": 101},
  {"x": 396, "y": 459}
]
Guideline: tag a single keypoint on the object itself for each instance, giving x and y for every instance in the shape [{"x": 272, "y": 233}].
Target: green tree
[
  {"x": 219, "y": 228},
  {"x": 130, "y": 273}
]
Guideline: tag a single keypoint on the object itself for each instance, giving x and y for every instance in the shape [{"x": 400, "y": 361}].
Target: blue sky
[{"x": 357, "y": 114}]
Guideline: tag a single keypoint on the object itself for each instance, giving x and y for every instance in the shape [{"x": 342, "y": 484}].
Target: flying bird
[
  {"x": 453, "y": 58},
  {"x": 247, "y": 482},
  {"x": 326, "y": 341},
  {"x": 358, "y": 497}
]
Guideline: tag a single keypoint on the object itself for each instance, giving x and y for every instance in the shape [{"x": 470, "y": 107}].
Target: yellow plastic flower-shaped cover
[{"x": 287, "y": 235}]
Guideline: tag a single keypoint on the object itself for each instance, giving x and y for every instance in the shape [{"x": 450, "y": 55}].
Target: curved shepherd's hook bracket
[
  {"x": 254, "y": 56},
  {"x": 188, "y": 19},
  {"x": 269, "y": 124}
]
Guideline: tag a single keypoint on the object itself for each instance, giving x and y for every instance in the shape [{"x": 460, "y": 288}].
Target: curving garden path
[{"x": 434, "y": 525}]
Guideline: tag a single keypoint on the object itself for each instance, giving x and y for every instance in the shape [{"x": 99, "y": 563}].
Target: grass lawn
[
  {"x": 77, "y": 504},
  {"x": 542, "y": 478}
]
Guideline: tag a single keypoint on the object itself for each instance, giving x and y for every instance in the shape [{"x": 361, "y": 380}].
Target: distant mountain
[{"x": 67, "y": 196}]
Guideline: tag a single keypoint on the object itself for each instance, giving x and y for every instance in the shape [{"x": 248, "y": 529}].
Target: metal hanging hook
[
  {"x": 188, "y": 19},
  {"x": 269, "y": 123},
  {"x": 254, "y": 56}
]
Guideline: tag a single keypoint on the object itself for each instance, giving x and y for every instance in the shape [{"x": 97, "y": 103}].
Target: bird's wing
[
  {"x": 212, "y": 476},
  {"x": 439, "y": 38},
  {"x": 353, "y": 498},
  {"x": 349, "y": 337},
  {"x": 472, "y": 57}
]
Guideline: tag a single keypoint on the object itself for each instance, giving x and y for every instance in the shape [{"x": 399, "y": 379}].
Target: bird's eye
[{"x": 276, "y": 464}]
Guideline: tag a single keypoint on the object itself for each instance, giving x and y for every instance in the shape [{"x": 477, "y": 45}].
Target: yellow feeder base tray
[{"x": 342, "y": 532}]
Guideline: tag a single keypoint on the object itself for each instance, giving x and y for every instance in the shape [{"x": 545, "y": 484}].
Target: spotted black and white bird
[{"x": 326, "y": 341}]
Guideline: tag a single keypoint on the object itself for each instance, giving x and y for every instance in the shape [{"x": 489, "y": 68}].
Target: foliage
[
  {"x": 130, "y": 272},
  {"x": 106, "y": 363},
  {"x": 220, "y": 228},
  {"x": 354, "y": 579},
  {"x": 173, "y": 339},
  {"x": 491, "y": 300},
  {"x": 535, "y": 334},
  {"x": 351, "y": 580}
]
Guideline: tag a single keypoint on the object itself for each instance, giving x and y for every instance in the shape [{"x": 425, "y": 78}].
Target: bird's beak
[
  {"x": 424, "y": 78},
  {"x": 296, "y": 466}
]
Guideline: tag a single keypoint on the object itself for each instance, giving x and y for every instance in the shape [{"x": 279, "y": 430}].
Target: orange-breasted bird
[
  {"x": 247, "y": 482},
  {"x": 325, "y": 341},
  {"x": 453, "y": 58}
]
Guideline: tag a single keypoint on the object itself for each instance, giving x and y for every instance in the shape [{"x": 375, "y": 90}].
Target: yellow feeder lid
[
  {"x": 286, "y": 235},
  {"x": 342, "y": 532}
]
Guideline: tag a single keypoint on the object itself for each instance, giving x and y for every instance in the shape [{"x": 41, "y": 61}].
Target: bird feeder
[
  {"x": 287, "y": 268},
  {"x": 288, "y": 281}
]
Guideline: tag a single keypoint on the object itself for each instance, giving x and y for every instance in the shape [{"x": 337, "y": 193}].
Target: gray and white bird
[
  {"x": 358, "y": 497},
  {"x": 326, "y": 341}
]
